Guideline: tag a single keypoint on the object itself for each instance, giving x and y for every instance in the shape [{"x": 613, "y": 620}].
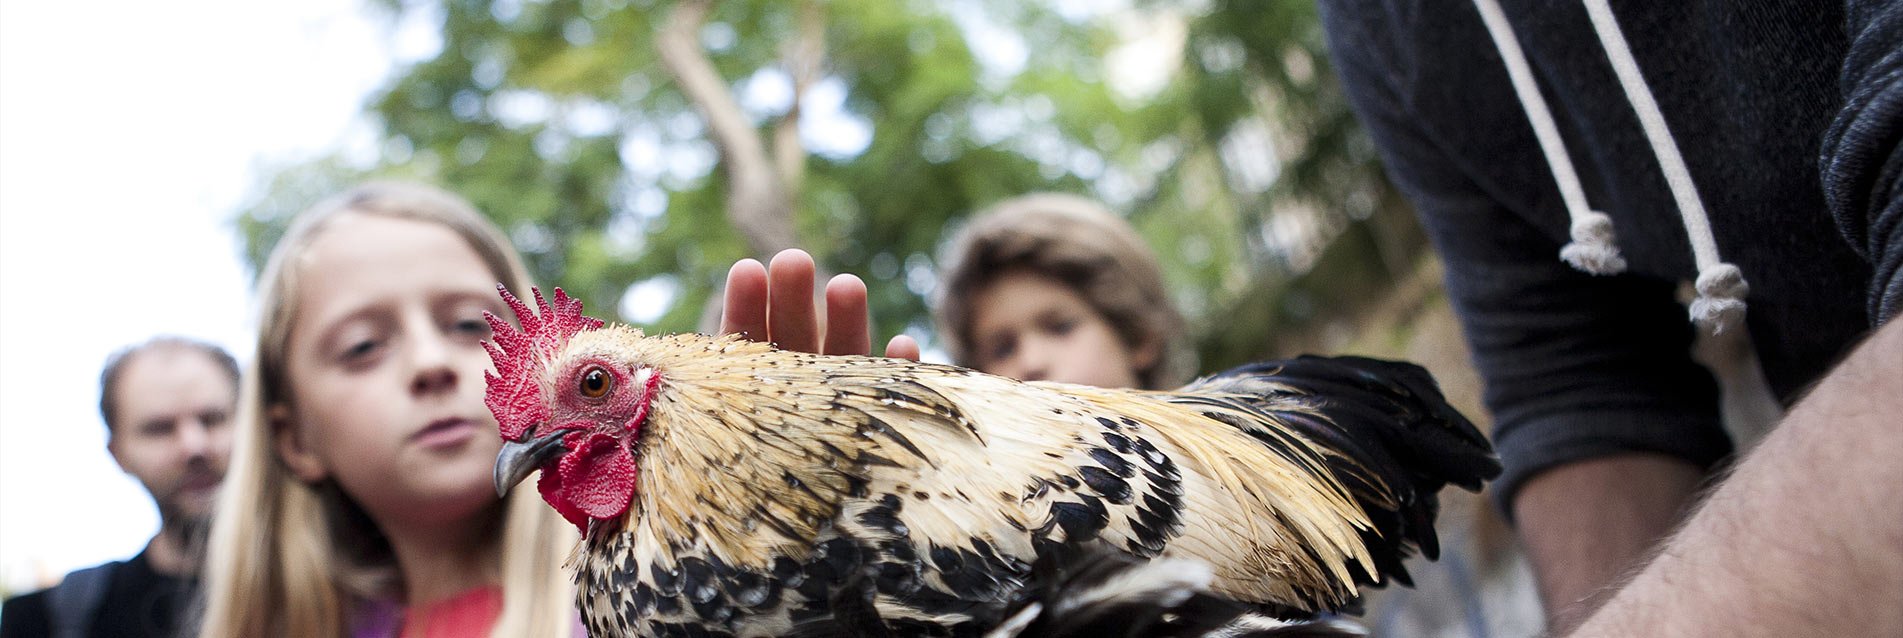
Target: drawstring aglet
[
  {"x": 1720, "y": 302},
  {"x": 1593, "y": 249}
]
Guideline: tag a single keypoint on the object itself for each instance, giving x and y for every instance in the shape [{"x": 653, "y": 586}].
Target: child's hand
[{"x": 775, "y": 303}]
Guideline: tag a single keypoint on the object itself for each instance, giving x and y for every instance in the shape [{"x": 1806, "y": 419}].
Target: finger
[
  {"x": 902, "y": 347},
  {"x": 847, "y": 321},
  {"x": 791, "y": 321},
  {"x": 744, "y": 308}
]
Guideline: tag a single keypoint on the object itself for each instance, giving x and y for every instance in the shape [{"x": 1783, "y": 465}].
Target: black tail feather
[{"x": 1396, "y": 441}]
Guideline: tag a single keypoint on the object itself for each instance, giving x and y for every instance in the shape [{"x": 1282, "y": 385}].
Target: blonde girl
[{"x": 360, "y": 500}]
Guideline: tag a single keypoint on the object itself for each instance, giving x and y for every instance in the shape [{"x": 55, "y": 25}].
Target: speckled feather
[{"x": 768, "y": 480}]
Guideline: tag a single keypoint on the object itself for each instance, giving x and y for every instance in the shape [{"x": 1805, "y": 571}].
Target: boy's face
[{"x": 1034, "y": 328}]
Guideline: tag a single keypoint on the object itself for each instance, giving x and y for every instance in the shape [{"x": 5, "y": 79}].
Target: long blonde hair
[{"x": 288, "y": 558}]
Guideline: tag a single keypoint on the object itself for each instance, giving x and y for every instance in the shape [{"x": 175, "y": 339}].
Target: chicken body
[{"x": 765, "y": 483}]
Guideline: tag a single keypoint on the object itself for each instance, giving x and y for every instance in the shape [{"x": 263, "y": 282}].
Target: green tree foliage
[
  {"x": 1327, "y": 235},
  {"x": 561, "y": 120}
]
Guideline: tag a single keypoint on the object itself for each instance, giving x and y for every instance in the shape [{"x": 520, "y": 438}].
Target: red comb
[{"x": 515, "y": 393}]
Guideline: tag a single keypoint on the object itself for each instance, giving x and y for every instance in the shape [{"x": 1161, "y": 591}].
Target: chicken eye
[{"x": 595, "y": 383}]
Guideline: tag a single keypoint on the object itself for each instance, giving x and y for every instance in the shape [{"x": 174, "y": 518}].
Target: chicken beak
[{"x": 519, "y": 458}]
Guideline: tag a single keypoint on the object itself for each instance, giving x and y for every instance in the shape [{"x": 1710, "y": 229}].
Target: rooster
[{"x": 727, "y": 488}]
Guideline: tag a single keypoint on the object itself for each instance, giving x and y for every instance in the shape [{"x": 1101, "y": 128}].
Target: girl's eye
[
  {"x": 475, "y": 327},
  {"x": 1062, "y": 326},
  {"x": 596, "y": 382}
]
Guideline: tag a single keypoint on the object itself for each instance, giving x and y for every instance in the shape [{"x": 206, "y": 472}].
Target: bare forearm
[
  {"x": 1804, "y": 538},
  {"x": 1585, "y": 524}
]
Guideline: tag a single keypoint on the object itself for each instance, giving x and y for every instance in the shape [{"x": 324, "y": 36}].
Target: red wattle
[
  {"x": 596, "y": 479},
  {"x": 551, "y": 487}
]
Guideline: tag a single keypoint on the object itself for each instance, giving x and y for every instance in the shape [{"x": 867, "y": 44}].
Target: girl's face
[
  {"x": 385, "y": 367},
  {"x": 1034, "y": 328}
]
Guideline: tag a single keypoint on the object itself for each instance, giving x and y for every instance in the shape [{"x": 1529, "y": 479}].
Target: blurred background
[{"x": 633, "y": 149}]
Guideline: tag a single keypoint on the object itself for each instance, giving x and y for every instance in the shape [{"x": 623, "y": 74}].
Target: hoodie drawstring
[
  {"x": 1721, "y": 286},
  {"x": 1592, "y": 249}
]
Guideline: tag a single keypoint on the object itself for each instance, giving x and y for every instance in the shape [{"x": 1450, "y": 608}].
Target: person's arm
[
  {"x": 1629, "y": 502},
  {"x": 1806, "y": 536},
  {"x": 775, "y": 303},
  {"x": 1602, "y": 419}
]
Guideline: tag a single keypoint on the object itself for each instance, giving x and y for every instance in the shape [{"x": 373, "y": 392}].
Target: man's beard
[
  {"x": 189, "y": 522},
  {"x": 191, "y": 532},
  {"x": 189, "y": 527}
]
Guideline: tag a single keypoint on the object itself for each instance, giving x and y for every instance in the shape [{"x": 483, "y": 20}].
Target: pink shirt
[{"x": 471, "y": 613}]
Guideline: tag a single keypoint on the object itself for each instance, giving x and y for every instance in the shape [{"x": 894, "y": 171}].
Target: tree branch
[
  {"x": 758, "y": 202},
  {"x": 803, "y": 58}
]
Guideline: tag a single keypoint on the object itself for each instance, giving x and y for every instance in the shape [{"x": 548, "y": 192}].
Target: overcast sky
[{"x": 129, "y": 134}]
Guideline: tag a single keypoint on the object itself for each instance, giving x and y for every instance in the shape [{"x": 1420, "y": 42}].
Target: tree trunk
[{"x": 762, "y": 182}]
